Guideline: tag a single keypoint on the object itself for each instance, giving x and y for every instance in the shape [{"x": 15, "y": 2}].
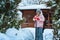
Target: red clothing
[
  {"x": 39, "y": 20},
  {"x": 36, "y": 18}
]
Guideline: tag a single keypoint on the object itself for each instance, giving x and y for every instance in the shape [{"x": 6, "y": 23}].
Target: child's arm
[
  {"x": 36, "y": 18},
  {"x": 42, "y": 18}
]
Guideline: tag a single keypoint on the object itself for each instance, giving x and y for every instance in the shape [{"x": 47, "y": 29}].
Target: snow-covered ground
[
  {"x": 25, "y": 34},
  {"x": 21, "y": 34}
]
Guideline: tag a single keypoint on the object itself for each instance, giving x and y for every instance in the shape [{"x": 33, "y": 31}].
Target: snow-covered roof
[{"x": 42, "y": 6}]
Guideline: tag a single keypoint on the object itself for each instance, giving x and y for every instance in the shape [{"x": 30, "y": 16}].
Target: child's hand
[{"x": 38, "y": 19}]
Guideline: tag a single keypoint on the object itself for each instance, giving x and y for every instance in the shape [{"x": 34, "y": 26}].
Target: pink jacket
[{"x": 39, "y": 23}]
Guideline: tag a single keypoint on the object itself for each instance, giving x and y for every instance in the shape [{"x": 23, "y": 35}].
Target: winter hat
[{"x": 38, "y": 10}]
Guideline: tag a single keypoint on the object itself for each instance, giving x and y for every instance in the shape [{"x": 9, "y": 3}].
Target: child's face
[{"x": 38, "y": 13}]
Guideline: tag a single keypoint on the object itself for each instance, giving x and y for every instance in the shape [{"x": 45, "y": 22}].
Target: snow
[
  {"x": 32, "y": 31},
  {"x": 12, "y": 0},
  {"x": 41, "y": 6},
  {"x": 21, "y": 34},
  {"x": 34, "y": 4},
  {"x": 12, "y": 33},
  {"x": 4, "y": 37},
  {"x": 25, "y": 34},
  {"x": 28, "y": 2},
  {"x": 58, "y": 31},
  {"x": 57, "y": 22},
  {"x": 48, "y": 34},
  {"x": 19, "y": 17},
  {"x": 48, "y": 30},
  {"x": 45, "y": 0}
]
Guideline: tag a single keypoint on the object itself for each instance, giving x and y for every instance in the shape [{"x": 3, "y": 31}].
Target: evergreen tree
[
  {"x": 8, "y": 14},
  {"x": 56, "y": 17}
]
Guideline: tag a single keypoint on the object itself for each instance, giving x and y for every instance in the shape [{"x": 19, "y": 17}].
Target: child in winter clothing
[{"x": 39, "y": 21}]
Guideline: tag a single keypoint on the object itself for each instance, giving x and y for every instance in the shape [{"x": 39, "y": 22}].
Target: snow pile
[
  {"x": 32, "y": 30},
  {"x": 21, "y": 34},
  {"x": 25, "y": 34},
  {"x": 19, "y": 17},
  {"x": 48, "y": 34},
  {"x": 12, "y": 33},
  {"x": 4, "y": 37}
]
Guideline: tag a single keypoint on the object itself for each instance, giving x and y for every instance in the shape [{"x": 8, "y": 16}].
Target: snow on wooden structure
[{"x": 28, "y": 13}]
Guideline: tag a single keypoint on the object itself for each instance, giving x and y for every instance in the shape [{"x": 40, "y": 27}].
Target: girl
[{"x": 39, "y": 21}]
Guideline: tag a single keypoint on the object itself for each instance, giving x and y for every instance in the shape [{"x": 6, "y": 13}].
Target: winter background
[{"x": 26, "y": 33}]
